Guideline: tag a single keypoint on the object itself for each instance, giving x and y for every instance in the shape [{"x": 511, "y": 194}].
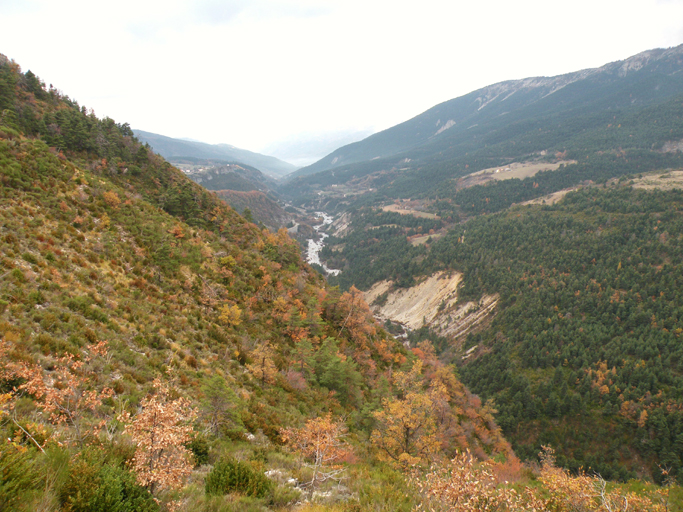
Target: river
[{"x": 314, "y": 248}]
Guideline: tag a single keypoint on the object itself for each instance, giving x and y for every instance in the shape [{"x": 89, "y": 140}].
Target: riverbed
[{"x": 314, "y": 247}]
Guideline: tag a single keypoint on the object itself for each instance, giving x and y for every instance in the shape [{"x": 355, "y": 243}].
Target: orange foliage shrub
[
  {"x": 465, "y": 485},
  {"x": 65, "y": 394},
  {"x": 161, "y": 431},
  {"x": 112, "y": 199},
  {"x": 589, "y": 493},
  {"x": 321, "y": 443}
]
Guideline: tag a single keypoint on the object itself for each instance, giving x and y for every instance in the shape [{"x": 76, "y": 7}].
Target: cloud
[
  {"x": 180, "y": 17},
  {"x": 217, "y": 12},
  {"x": 220, "y": 12}
]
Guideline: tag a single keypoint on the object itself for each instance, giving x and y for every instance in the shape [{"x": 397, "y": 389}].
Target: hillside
[
  {"x": 228, "y": 177},
  {"x": 158, "y": 351},
  {"x": 567, "y": 315},
  {"x": 180, "y": 149},
  {"x": 538, "y": 251},
  {"x": 588, "y": 328},
  {"x": 631, "y": 107},
  {"x": 261, "y": 207}
]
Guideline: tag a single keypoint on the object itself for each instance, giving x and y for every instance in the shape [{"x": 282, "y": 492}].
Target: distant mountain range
[
  {"x": 307, "y": 148},
  {"x": 174, "y": 149},
  {"x": 514, "y": 119}
]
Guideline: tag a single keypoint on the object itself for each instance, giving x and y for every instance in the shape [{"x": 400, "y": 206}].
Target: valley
[
  {"x": 488, "y": 297},
  {"x": 553, "y": 239}
]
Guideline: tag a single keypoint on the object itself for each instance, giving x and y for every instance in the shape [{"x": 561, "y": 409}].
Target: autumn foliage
[
  {"x": 321, "y": 444},
  {"x": 65, "y": 394},
  {"x": 160, "y": 431},
  {"x": 467, "y": 485},
  {"x": 432, "y": 415},
  {"x": 585, "y": 492}
]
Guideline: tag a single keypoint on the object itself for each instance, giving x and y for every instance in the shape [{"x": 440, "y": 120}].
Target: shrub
[
  {"x": 92, "y": 487},
  {"x": 199, "y": 447},
  {"x": 118, "y": 492},
  {"x": 17, "y": 476},
  {"x": 230, "y": 475}
]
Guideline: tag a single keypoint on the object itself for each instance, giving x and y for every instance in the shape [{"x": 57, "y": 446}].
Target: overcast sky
[{"x": 250, "y": 73}]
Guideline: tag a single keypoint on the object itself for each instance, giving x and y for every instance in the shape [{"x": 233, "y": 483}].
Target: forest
[{"x": 588, "y": 331}]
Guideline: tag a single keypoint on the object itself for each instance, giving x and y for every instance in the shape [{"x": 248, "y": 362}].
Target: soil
[
  {"x": 433, "y": 302},
  {"x": 408, "y": 211},
  {"x": 519, "y": 170}
]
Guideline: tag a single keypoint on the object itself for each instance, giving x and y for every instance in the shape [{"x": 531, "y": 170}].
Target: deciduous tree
[
  {"x": 321, "y": 443},
  {"x": 263, "y": 367},
  {"x": 406, "y": 429},
  {"x": 160, "y": 430}
]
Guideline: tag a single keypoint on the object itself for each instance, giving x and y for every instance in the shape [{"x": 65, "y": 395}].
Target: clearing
[
  {"x": 662, "y": 180},
  {"x": 406, "y": 208},
  {"x": 519, "y": 170}
]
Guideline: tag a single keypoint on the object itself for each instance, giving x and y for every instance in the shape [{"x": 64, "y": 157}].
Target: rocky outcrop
[{"x": 433, "y": 302}]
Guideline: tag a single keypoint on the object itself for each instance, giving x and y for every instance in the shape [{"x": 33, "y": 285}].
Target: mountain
[
  {"x": 242, "y": 187},
  {"x": 160, "y": 352},
  {"x": 258, "y": 205},
  {"x": 228, "y": 177},
  {"x": 177, "y": 149},
  {"x": 626, "y": 105}
]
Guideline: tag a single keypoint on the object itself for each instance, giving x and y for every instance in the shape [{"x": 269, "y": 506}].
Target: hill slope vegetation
[{"x": 159, "y": 351}]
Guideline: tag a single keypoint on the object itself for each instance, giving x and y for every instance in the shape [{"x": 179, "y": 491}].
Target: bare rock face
[
  {"x": 433, "y": 302},
  {"x": 673, "y": 146}
]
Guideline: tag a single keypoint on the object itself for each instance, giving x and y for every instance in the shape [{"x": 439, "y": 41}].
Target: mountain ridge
[
  {"x": 172, "y": 149},
  {"x": 464, "y": 110}
]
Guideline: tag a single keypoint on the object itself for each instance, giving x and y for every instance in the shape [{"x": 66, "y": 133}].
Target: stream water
[{"x": 314, "y": 248}]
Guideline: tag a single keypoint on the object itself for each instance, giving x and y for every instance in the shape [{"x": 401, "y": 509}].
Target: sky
[{"x": 254, "y": 72}]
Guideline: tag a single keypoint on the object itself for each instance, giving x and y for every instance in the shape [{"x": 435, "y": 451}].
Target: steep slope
[
  {"x": 261, "y": 207},
  {"x": 589, "y": 324},
  {"x": 643, "y": 79},
  {"x": 228, "y": 177},
  {"x": 580, "y": 317},
  {"x": 136, "y": 308},
  {"x": 173, "y": 149}
]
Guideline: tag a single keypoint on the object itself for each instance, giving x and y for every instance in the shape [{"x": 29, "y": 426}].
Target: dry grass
[{"x": 408, "y": 211}]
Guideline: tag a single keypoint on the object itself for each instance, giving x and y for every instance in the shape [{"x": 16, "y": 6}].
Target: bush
[
  {"x": 95, "y": 486},
  {"x": 230, "y": 475},
  {"x": 199, "y": 447},
  {"x": 118, "y": 492},
  {"x": 17, "y": 477}
]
